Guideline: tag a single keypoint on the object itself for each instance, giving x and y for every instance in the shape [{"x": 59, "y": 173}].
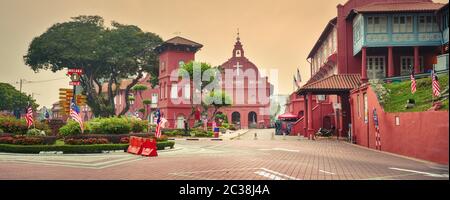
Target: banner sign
[{"x": 75, "y": 75}]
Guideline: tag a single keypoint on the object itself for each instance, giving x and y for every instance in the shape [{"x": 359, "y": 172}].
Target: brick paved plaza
[{"x": 246, "y": 158}]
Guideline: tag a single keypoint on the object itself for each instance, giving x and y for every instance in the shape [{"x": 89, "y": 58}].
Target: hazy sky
[{"x": 275, "y": 34}]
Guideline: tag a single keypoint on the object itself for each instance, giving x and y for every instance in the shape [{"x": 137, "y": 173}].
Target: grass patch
[{"x": 400, "y": 92}]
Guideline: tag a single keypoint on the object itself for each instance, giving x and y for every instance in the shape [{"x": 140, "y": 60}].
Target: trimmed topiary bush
[
  {"x": 138, "y": 126},
  {"x": 113, "y": 125},
  {"x": 19, "y": 126},
  {"x": 73, "y": 128}
]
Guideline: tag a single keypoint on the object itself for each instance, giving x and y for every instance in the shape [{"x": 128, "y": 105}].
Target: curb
[
  {"x": 396, "y": 155},
  {"x": 195, "y": 139},
  {"x": 232, "y": 138}
]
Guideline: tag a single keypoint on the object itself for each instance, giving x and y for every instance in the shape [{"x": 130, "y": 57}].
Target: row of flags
[
  {"x": 434, "y": 82},
  {"x": 75, "y": 115}
]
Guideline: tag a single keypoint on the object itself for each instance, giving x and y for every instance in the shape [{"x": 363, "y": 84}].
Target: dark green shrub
[{"x": 1, "y": 130}]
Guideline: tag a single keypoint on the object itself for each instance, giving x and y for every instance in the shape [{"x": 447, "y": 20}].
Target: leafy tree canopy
[
  {"x": 106, "y": 54},
  {"x": 11, "y": 99}
]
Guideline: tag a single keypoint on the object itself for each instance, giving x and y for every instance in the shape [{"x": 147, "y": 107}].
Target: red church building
[{"x": 250, "y": 107}]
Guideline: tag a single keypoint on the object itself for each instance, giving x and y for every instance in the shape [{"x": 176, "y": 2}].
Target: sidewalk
[{"x": 229, "y": 135}]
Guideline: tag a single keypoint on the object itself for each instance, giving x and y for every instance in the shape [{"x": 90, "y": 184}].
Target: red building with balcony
[{"x": 368, "y": 40}]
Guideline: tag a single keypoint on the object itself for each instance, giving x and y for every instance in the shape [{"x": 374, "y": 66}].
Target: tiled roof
[
  {"x": 182, "y": 41},
  {"x": 334, "y": 83},
  {"x": 412, "y": 6}
]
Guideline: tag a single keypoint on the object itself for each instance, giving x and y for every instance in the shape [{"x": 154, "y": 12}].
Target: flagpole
[{"x": 432, "y": 93}]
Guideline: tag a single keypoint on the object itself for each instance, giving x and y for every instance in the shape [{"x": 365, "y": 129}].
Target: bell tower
[
  {"x": 172, "y": 54},
  {"x": 238, "y": 51}
]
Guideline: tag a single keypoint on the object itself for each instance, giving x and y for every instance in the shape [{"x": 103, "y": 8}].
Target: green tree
[
  {"x": 139, "y": 88},
  {"x": 146, "y": 103},
  {"x": 216, "y": 100},
  {"x": 107, "y": 55},
  {"x": 203, "y": 68},
  {"x": 11, "y": 99}
]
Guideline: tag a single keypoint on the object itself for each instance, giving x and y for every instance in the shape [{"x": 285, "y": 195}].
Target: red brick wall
[{"x": 422, "y": 135}]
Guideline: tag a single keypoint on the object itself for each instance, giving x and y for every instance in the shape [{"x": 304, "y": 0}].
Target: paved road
[{"x": 246, "y": 158}]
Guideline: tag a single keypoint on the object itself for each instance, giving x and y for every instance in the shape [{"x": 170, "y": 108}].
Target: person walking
[{"x": 185, "y": 128}]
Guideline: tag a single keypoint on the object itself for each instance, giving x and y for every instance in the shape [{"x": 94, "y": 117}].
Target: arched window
[
  {"x": 236, "y": 118},
  {"x": 252, "y": 119}
]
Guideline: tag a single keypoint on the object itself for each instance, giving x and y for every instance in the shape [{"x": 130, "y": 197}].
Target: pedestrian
[{"x": 185, "y": 128}]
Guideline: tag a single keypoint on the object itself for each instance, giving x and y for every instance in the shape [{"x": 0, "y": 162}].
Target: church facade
[{"x": 241, "y": 80}]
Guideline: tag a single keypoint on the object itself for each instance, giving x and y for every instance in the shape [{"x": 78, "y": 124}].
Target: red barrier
[
  {"x": 149, "y": 148},
  {"x": 142, "y": 146},
  {"x": 135, "y": 145}
]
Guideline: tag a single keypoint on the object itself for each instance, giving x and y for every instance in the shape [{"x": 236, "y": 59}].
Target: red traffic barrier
[
  {"x": 135, "y": 145},
  {"x": 149, "y": 148}
]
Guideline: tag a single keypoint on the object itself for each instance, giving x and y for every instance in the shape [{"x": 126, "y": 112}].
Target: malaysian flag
[
  {"x": 435, "y": 83},
  {"x": 158, "y": 124},
  {"x": 29, "y": 116},
  {"x": 299, "y": 78},
  {"x": 413, "y": 83},
  {"x": 75, "y": 114}
]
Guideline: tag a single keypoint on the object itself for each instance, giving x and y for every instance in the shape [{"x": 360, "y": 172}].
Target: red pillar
[
  {"x": 390, "y": 62},
  {"x": 310, "y": 117},
  {"x": 364, "y": 65},
  {"x": 416, "y": 60},
  {"x": 305, "y": 115}
]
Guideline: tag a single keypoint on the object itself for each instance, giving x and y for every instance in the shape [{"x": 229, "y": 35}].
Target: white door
[
  {"x": 180, "y": 122},
  {"x": 376, "y": 67}
]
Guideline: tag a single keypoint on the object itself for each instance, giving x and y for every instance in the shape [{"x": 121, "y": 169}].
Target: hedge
[
  {"x": 73, "y": 149},
  {"x": 113, "y": 138},
  {"x": 113, "y": 125},
  {"x": 19, "y": 126},
  {"x": 6, "y": 138}
]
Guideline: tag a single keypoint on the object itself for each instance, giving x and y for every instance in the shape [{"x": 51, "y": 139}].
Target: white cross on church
[{"x": 238, "y": 67}]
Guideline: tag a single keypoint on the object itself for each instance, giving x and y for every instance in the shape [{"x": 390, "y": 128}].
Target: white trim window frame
[
  {"x": 377, "y": 24},
  {"x": 403, "y": 24},
  {"x": 407, "y": 64}
]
